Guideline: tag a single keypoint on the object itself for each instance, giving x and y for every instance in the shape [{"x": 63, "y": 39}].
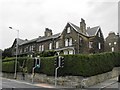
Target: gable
[{"x": 19, "y": 42}]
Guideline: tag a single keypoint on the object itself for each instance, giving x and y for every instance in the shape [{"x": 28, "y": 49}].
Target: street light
[{"x": 15, "y": 74}]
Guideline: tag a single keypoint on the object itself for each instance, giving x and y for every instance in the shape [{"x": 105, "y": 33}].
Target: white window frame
[
  {"x": 113, "y": 49},
  {"x": 50, "y": 46},
  {"x": 66, "y": 42},
  {"x": 90, "y": 44},
  {"x": 65, "y": 52},
  {"x": 70, "y": 41},
  {"x": 42, "y": 49},
  {"x": 99, "y": 45},
  {"x": 68, "y": 30},
  {"x": 115, "y": 43},
  {"x": 71, "y": 52},
  {"x": 99, "y": 34},
  {"x": 32, "y": 48},
  {"x": 109, "y": 44},
  {"x": 57, "y": 44}
]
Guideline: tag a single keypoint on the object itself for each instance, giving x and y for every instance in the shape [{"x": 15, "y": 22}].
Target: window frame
[
  {"x": 56, "y": 44},
  {"x": 68, "y": 30},
  {"x": 50, "y": 46}
]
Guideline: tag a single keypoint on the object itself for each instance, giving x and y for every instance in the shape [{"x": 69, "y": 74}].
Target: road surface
[{"x": 11, "y": 84}]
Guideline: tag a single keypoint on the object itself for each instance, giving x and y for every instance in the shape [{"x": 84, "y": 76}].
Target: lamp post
[{"x": 15, "y": 74}]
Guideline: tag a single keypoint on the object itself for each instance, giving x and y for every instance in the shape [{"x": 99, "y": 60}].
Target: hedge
[
  {"x": 76, "y": 65},
  {"x": 46, "y": 67},
  {"x": 8, "y": 66}
]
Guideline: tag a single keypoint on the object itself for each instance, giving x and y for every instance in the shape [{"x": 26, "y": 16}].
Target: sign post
[
  {"x": 37, "y": 65},
  {"x": 58, "y": 63}
]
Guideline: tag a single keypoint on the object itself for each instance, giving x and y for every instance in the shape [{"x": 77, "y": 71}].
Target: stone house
[
  {"x": 112, "y": 42},
  {"x": 72, "y": 40}
]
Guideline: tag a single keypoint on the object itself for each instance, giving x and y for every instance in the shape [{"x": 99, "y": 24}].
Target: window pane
[
  {"x": 66, "y": 42},
  {"x": 57, "y": 44},
  {"x": 109, "y": 44},
  {"x": 50, "y": 46},
  {"x": 68, "y": 30},
  {"x": 112, "y": 49},
  {"x": 70, "y": 51},
  {"x": 90, "y": 44},
  {"x": 42, "y": 47},
  {"x": 99, "y": 45},
  {"x": 115, "y": 43},
  {"x": 70, "y": 41},
  {"x": 98, "y": 34},
  {"x": 65, "y": 52}
]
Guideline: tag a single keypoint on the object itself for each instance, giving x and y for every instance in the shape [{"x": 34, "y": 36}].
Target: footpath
[
  {"x": 105, "y": 84},
  {"x": 98, "y": 86}
]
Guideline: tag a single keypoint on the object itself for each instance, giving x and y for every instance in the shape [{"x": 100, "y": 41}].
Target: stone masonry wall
[{"x": 69, "y": 81}]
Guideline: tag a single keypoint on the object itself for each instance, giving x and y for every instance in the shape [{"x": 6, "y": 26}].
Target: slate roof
[
  {"x": 50, "y": 37},
  {"x": 75, "y": 27},
  {"x": 39, "y": 39},
  {"x": 89, "y": 32},
  {"x": 92, "y": 31},
  {"x": 29, "y": 41},
  {"x": 20, "y": 41}
]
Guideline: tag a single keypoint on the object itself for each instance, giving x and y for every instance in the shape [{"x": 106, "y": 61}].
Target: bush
[
  {"x": 47, "y": 53},
  {"x": 46, "y": 66},
  {"x": 9, "y": 62},
  {"x": 76, "y": 65},
  {"x": 8, "y": 67}
]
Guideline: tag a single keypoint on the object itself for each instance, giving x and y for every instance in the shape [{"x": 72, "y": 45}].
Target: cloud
[{"x": 31, "y": 17}]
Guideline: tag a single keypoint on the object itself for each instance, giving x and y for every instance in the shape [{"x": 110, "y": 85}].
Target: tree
[{"x": 7, "y": 53}]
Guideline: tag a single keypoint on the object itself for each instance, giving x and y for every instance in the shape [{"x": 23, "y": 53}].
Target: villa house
[{"x": 72, "y": 40}]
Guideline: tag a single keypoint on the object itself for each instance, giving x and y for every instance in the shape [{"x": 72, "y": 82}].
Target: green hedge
[
  {"x": 9, "y": 62},
  {"x": 46, "y": 67},
  {"x": 8, "y": 66},
  {"x": 77, "y": 65}
]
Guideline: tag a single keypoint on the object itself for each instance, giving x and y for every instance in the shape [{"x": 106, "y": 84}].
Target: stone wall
[{"x": 69, "y": 81}]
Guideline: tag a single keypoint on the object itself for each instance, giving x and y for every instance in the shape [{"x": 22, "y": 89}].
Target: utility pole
[{"x": 15, "y": 74}]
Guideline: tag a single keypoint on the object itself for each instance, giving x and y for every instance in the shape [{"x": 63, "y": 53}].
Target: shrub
[
  {"x": 76, "y": 65},
  {"x": 47, "y": 53},
  {"x": 8, "y": 67}
]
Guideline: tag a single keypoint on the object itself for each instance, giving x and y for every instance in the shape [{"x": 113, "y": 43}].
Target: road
[
  {"x": 10, "y": 84},
  {"x": 114, "y": 86}
]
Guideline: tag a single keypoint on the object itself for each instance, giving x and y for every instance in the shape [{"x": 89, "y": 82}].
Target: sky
[{"x": 31, "y": 17}]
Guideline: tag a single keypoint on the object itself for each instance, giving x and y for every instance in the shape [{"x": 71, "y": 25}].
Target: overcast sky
[{"x": 31, "y": 17}]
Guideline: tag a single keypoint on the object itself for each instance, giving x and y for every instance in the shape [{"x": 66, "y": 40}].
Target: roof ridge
[{"x": 74, "y": 24}]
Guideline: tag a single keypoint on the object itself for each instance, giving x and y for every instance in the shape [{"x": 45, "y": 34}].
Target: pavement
[
  {"x": 106, "y": 83},
  {"x": 99, "y": 86},
  {"x": 14, "y": 83}
]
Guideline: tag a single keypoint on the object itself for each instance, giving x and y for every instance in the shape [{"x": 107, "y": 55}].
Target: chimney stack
[
  {"x": 48, "y": 32},
  {"x": 83, "y": 26}
]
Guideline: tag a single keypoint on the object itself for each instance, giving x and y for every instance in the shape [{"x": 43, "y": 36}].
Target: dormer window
[{"x": 68, "y": 30}]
